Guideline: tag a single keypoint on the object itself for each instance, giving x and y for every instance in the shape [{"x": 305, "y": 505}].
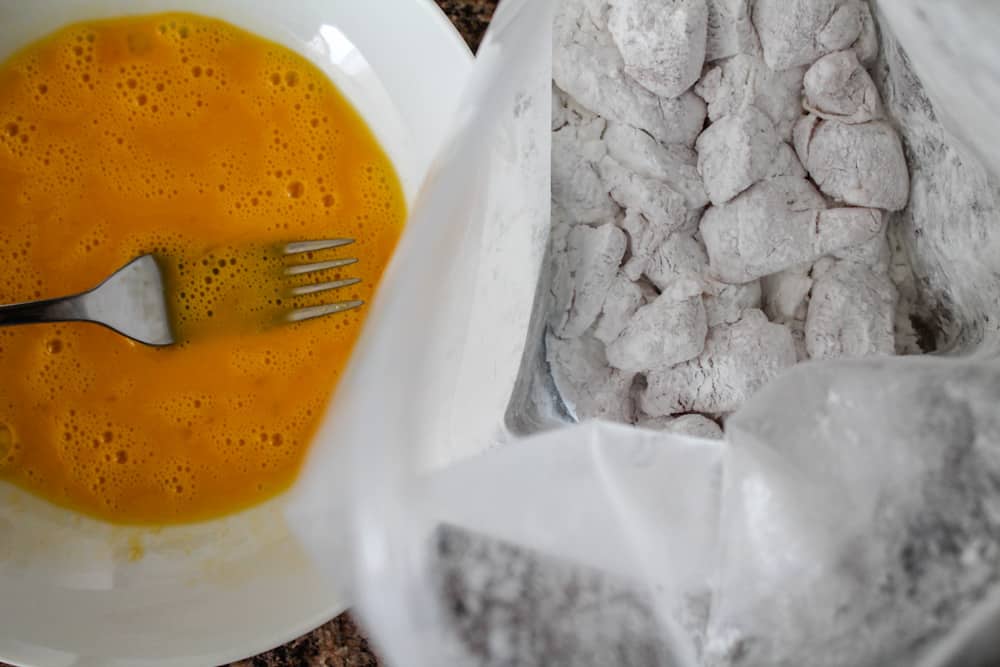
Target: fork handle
[{"x": 48, "y": 310}]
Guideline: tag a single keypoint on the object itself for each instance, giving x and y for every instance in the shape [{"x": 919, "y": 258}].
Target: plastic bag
[
  {"x": 434, "y": 371},
  {"x": 852, "y": 517}
]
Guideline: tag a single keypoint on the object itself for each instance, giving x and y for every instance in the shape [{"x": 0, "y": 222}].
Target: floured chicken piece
[
  {"x": 786, "y": 294},
  {"x": 661, "y": 41},
  {"x": 737, "y": 361},
  {"x": 838, "y": 88},
  {"x": 851, "y": 313},
  {"x": 560, "y": 110},
  {"x": 874, "y": 254},
  {"x": 866, "y": 45},
  {"x": 797, "y": 32},
  {"x": 566, "y": 110},
  {"x": 589, "y": 67},
  {"x": 577, "y": 147},
  {"x": 597, "y": 11},
  {"x": 863, "y": 165},
  {"x": 589, "y": 387},
  {"x": 785, "y": 299},
  {"x": 645, "y": 240},
  {"x": 777, "y": 224},
  {"x": 679, "y": 257},
  {"x": 725, "y": 303},
  {"x": 654, "y": 199},
  {"x": 696, "y": 426},
  {"x": 745, "y": 80},
  {"x": 561, "y": 283},
  {"x": 675, "y": 165},
  {"x": 730, "y": 30},
  {"x": 665, "y": 332},
  {"x": 623, "y": 300},
  {"x": 593, "y": 255},
  {"x": 739, "y": 150}
]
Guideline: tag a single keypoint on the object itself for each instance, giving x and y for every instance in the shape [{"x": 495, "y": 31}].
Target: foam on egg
[{"x": 188, "y": 138}]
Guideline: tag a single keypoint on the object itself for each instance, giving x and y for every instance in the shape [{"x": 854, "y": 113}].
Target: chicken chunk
[
  {"x": 561, "y": 284},
  {"x": 589, "y": 387},
  {"x": 786, "y": 294},
  {"x": 785, "y": 298},
  {"x": 777, "y": 224},
  {"x": 659, "y": 203},
  {"x": 862, "y": 165},
  {"x": 592, "y": 258},
  {"x": 873, "y": 254},
  {"x": 730, "y": 30},
  {"x": 838, "y": 88},
  {"x": 588, "y": 66},
  {"x": 797, "y": 32},
  {"x": 739, "y": 150},
  {"x": 866, "y": 45},
  {"x": 661, "y": 41},
  {"x": 679, "y": 257},
  {"x": 851, "y": 313},
  {"x": 745, "y": 80},
  {"x": 725, "y": 304},
  {"x": 577, "y": 147},
  {"x": 644, "y": 239},
  {"x": 566, "y": 110},
  {"x": 623, "y": 300},
  {"x": 696, "y": 426},
  {"x": 738, "y": 360},
  {"x": 665, "y": 332},
  {"x": 675, "y": 165}
]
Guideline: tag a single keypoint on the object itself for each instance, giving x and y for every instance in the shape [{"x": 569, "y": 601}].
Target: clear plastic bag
[
  {"x": 852, "y": 516},
  {"x": 435, "y": 369}
]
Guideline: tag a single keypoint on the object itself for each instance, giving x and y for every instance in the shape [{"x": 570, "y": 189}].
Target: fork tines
[{"x": 308, "y": 313}]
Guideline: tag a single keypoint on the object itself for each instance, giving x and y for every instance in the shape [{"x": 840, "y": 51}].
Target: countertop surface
[{"x": 340, "y": 643}]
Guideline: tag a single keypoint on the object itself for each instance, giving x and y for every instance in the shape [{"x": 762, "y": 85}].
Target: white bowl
[{"x": 210, "y": 593}]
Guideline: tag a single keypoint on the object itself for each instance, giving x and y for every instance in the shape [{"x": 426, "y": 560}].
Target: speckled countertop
[
  {"x": 471, "y": 17},
  {"x": 340, "y": 643}
]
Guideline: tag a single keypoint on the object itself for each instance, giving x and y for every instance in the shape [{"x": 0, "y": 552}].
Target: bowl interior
[{"x": 76, "y": 591}]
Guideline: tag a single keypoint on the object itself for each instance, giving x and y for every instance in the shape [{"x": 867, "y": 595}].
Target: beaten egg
[{"x": 189, "y": 138}]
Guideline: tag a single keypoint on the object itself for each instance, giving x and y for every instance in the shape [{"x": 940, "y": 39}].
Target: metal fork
[{"x": 133, "y": 301}]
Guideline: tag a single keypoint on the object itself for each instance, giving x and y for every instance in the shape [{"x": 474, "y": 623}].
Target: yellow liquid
[{"x": 187, "y": 137}]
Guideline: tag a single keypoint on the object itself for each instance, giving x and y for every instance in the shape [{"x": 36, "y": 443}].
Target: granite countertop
[
  {"x": 471, "y": 17},
  {"x": 340, "y": 643}
]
